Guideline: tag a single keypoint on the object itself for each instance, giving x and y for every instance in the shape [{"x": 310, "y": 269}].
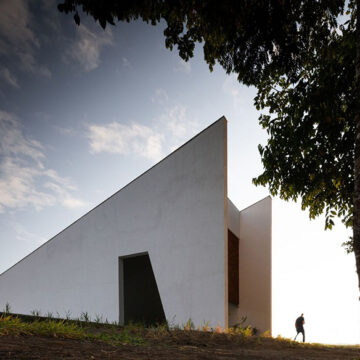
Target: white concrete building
[{"x": 169, "y": 245}]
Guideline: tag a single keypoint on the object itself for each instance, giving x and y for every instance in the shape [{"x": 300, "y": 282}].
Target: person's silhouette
[{"x": 299, "y": 325}]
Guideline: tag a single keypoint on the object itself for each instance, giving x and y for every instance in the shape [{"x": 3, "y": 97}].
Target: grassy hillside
[{"x": 44, "y": 338}]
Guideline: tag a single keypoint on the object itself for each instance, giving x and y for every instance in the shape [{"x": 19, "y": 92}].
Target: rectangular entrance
[{"x": 139, "y": 295}]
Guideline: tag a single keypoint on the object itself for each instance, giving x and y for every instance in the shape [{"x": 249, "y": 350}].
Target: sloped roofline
[
  {"x": 256, "y": 202},
  {"x": 222, "y": 118}
]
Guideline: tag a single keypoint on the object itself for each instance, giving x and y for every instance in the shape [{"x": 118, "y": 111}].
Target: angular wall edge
[{"x": 175, "y": 212}]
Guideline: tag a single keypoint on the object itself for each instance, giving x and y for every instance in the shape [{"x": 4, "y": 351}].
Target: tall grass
[
  {"x": 13, "y": 325},
  {"x": 10, "y": 325},
  {"x": 94, "y": 329}
]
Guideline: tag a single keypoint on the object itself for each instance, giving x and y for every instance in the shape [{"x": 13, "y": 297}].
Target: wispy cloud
[
  {"x": 160, "y": 97},
  {"x": 87, "y": 47},
  {"x": 8, "y": 77},
  {"x": 177, "y": 125},
  {"x": 183, "y": 66},
  {"x": 13, "y": 143},
  {"x": 174, "y": 120},
  {"x": 169, "y": 129},
  {"x": 232, "y": 87},
  {"x": 65, "y": 130},
  {"x": 23, "y": 235},
  {"x": 17, "y": 38},
  {"x": 25, "y": 181},
  {"x": 126, "y": 63},
  {"x": 124, "y": 139}
]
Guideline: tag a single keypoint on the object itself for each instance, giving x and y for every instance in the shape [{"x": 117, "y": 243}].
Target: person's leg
[{"x": 303, "y": 334}]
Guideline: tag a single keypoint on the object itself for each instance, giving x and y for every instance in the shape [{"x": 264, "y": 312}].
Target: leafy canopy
[
  {"x": 301, "y": 64},
  {"x": 311, "y": 126},
  {"x": 250, "y": 38}
]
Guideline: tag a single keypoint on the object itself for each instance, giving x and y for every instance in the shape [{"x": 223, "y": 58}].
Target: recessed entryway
[{"x": 139, "y": 295}]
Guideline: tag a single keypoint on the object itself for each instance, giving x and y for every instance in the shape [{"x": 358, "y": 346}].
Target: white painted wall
[
  {"x": 255, "y": 265},
  {"x": 175, "y": 211},
  {"x": 253, "y": 228}
]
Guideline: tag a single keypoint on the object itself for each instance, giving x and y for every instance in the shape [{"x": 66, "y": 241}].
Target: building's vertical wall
[
  {"x": 255, "y": 265},
  {"x": 176, "y": 212},
  {"x": 226, "y": 247}
]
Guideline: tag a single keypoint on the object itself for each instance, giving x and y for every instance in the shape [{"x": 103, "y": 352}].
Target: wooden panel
[{"x": 233, "y": 268}]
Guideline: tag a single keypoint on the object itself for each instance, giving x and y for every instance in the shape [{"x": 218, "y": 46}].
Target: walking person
[{"x": 299, "y": 325}]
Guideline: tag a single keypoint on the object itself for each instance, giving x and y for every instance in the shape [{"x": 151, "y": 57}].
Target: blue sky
[{"x": 84, "y": 111}]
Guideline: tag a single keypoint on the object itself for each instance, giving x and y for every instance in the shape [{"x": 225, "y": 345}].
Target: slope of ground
[
  {"x": 180, "y": 347},
  {"x": 52, "y": 339}
]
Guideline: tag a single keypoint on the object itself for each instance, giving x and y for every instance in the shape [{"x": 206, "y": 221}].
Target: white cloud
[
  {"x": 176, "y": 120},
  {"x": 24, "y": 179},
  {"x": 18, "y": 188},
  {"x": 178, "y": 127},
  {"x": 87, "y": 47},
  {"x": 173, "y": 119},
  {"x": 14, "y": 24},
  {"x": 183, "y": 66},
  {"x": 124, "y": 139},
  {"x": 61, "y": 187},
  {"x": 14, "y": 144},
  {"x": 17, "y": 38},
  {"x": 10, "y": 78},
  {"x": 168, "y": 131}
]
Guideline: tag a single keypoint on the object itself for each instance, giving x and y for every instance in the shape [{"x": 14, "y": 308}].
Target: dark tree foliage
[
  {"x": 311, "y": 127},
  {"x": 250, "y": 38},
  {"x": 307, "y": 71}
]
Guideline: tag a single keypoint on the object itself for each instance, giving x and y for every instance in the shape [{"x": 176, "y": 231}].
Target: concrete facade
[
  {"x": 178, "y": 214},
  {"x": 253, "y": 228}
]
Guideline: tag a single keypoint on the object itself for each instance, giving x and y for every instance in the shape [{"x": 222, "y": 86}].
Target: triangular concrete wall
[{"x": 176, "y": 212}]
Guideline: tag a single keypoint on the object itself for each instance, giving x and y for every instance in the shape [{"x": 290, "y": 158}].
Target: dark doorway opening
[
  {"x": 139, "y": 295},
  {"x": 233, "y": 268}
]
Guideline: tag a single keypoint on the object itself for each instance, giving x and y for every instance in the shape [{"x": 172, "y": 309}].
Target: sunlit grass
[
  {"x": 139, "y": 334},
  {"x": 83, "y": 328},
  {"x": 13, "y": 325},
  {"x": 10, "y": 325}
]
